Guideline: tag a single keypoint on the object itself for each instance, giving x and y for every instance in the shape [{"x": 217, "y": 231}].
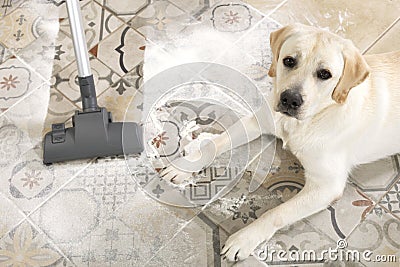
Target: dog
[{"x": 333, "y": 108}]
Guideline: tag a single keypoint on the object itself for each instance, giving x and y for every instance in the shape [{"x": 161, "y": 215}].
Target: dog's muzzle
[{"x": 290, "y": 102}]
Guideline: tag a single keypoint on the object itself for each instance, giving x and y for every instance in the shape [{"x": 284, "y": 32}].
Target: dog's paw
[
  {"x": 174, "y": 175},
  {"x": 241, "y": 244},
  {"x": 183, "y": 168}
]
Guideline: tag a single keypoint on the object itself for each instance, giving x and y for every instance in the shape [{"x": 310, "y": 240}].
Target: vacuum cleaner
[{"x": 94, "y": 134}]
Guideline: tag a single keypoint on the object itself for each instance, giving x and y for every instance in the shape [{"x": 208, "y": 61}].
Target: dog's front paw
[
  {"x": 242, "y": 243},
  {"x": 182, "y": 169},
  {"x": 176, "y": 175}
]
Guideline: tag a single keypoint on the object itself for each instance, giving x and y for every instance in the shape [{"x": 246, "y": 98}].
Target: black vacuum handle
[{"x": 88, "y": 94}]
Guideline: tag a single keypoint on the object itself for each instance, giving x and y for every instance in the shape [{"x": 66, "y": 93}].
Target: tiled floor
[{"x": 94, "y": 212}]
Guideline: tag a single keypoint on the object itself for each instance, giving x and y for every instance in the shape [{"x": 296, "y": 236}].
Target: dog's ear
[
  {"x": 355, "y": 71},
  {"x": 276, "y": 40}
]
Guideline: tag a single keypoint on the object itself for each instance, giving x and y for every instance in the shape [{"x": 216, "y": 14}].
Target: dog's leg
[
  {"x": 245, "y": 130},
  {"x": 323, "y": 186}
]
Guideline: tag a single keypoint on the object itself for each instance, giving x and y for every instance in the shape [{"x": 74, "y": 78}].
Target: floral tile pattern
[
  {"x": 17, "y": 81},
  {"x": 27, "y": 182},
  {"x": 26, "y": 246},
  {"x": 95, "y": 212},
  {"x": 230, "y": 19}
]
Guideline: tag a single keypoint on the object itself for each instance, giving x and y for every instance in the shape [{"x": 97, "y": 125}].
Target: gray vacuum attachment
[{"x": 93, "y": 134}]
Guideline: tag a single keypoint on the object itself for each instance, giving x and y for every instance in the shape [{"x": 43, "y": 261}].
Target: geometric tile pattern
[
  {"x": 92, "y": 212},
  {"x": 391, "y": 200}
]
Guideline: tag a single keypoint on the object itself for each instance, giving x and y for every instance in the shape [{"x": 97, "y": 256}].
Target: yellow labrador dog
[{"x": 333, "y": 108}]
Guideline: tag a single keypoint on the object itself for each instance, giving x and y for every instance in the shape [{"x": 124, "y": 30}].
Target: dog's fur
[{"x": 349, "y": 119}]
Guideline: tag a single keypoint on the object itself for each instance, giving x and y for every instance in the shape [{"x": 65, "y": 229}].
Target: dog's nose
[{"x": 291, "y": 99}]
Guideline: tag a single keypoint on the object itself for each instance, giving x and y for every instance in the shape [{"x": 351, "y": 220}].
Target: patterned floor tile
[
  {"x": 188, "y": 246},
  {"x": 265, "y": 7},
  {"x": 53, "y": 8},
  {"x": 129, "y": 234},
  {"x": 66, "y": 81},
  {"x": 41, "y": 54},
  {"x": 335, "y": 220},
  {"x": 125, "y": 9},
  {"x": 142, "y": 215},
  {"x": 64, "y": 52},
  {"x": 10, "y": 215},
  {"x": 124, "y": 101},
  {"x": 49, "y": 55},
  {"x": 391, "y": 200},
  {"x": 376, "y": 178},
  {"x": 27, "y": 182},
  {"x": 300, "y": 236},
  {"x": 380, "y": 234},
  {"x": 160, "y": 21},
  {"x": 42, "y": 108},
  {"x": 257, "y": 54},
  {"x": 194, "y": 7},
  {"x": 5, "y": 53},
  {"x": 20, "y": 28},
  {"x": 26, "y": 245},
  {"x": 239, "y": 208},
  {"x": 92, "y": 212},
  {"x": 102, "y": 187},
  {"x": 8, "y": 6},
  {"x": 226, "y": 18},
  {"x": 389, "y": 42},
  {"x": 122, "y": 50},
  {"x": 135, "y": 77},
  {"x": 342, "y": 17},
  {"x": 16, "y": 81},
  {"x": 98, "y": 23}
]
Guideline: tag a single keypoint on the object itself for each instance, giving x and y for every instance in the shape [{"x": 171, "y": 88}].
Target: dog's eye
[
  {"x": 289, "y": 62},
  {"x": 324, "y": 74}
]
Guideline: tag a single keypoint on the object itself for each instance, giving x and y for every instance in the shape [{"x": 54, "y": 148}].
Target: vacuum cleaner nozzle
[{"x": 93, "y": 135}]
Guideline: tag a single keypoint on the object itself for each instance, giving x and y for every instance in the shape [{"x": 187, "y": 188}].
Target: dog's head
[{"x": 312, "y": 69}]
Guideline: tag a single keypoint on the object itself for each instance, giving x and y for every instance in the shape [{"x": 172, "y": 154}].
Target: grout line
[
  {"x": 381, "y": 36},
  {"x": 61, "y": 187},
  {"x": 23, "y": 98},
  {"x": 276, "y": 8},
  {"x": 32, "y": 69},
  {"x": 388, "y": 211},
  {"x": 49, "y": 240}
]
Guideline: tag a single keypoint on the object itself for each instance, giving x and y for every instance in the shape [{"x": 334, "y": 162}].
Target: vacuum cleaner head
[{"x": 93, "y": 135}]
